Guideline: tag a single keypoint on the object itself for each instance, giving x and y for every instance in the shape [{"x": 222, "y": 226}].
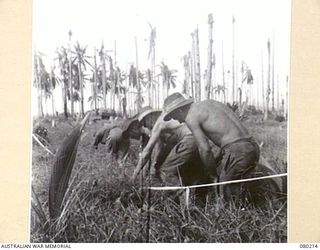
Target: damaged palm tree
[{"x": 62, "y": 168}]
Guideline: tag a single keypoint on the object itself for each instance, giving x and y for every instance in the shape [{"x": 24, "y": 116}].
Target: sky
[{"x": 95, "y": 21}]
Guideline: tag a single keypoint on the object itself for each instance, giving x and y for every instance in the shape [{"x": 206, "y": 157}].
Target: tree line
[{"x": 117, "y": 89}]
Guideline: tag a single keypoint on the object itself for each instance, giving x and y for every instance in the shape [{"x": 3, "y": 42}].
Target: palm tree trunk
[
  {"x": 149, "y": 93},
  {"x": 46, "y": 105},
  {"x": 278, "y": 95},
  {"x": 287, "y": 87},
  {"x": 149, "y": 90},
  {"x": 129, "y": 100},
  {"x": 65, "y": 106},
  {"x": 186, "y": 75},
  {"x": 70, "y": 82},
  {"x": 268, "y": 88},
  {"x": 127, "y": 92},
  {"x": 233, "y": 73},
  {"x": 119, "y": 105},
  {"x": 52, "y": 105},
  {"x": 153, "y": 75},
  {"x": 114, "y": 89},
  {"x": 104, "y": 81},
  {"x": 209, "y": 66},
  {"x": 243, "y": 89},
  {"x": 38, "y": 85},
  {"x": 115, "y": 72},
  {"x": 52, "y": 95},
  {"x": 273, "y": 105},
  {"x": 70, "y": 74},
  {"x": 240, "y": 96},
  {"x": 81, "y": 90},
  {"x": 228, "y": 86},
  {"x": 198, "y": 66},
  {"x": 163, "y": 91},
  {"x": 213, "y": 73},
  {"x": 40, "y": 105},
  {"x": 194, "y": 64},
  {"x": 282, "y": 107},
  {"x": 236, "y": 83},
  {"x": 110, "y": 97},
  {"x": 158, "y": 83},
  {"x": 257, "y": 93},
  {"x": 223, "y": 78},
  {"x": 95, "y": 85},
  {"x": 262, "y": 85},
  {"x": 138, "y": 80},
  {"x": 191, "y": 63}
]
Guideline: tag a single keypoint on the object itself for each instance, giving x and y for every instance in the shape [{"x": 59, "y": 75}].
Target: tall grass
[{"x": 101, "y": 206}]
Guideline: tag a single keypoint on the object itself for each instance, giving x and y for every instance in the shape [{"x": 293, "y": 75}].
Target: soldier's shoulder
[
  {"x": 203, "y": 105},
  {"x": 210, "y": 104}
]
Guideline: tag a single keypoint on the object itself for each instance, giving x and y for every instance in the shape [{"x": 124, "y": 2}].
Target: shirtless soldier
[
  {"x": 213, "y": 121},
  {"x": 176, "y": 157}
]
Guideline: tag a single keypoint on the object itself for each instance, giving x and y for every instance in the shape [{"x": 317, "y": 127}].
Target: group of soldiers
[{"x": 180, "y": 140}]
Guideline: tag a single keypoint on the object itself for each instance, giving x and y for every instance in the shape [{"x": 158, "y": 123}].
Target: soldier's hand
[{"x": 210, "y": 162}]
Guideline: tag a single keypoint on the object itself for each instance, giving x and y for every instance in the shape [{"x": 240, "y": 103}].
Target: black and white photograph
[{"x": 160, "y": 121}]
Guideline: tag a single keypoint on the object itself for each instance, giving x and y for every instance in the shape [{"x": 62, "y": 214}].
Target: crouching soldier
[
  {"x": 177, "y": 159},
  {"x": 213, "y": 122}
]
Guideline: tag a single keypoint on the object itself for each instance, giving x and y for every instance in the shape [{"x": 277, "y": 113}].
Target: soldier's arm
[
  {"x": 204, "y": 147},
  {"x": 157, "y": 156},
  {"x": 146, "y": 153},
  {"x": 106, "y": 132},
  {"x": 145, "y": 131}
]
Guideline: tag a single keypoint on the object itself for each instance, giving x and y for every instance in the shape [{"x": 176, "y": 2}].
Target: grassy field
[{"x": 101, "y": 205}]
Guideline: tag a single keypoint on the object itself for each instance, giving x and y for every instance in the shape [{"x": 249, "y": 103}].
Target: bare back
[{"x": 217, "y": 122}]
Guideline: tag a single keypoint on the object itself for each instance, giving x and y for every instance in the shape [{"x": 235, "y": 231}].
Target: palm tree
[
  {"x": 191, "y": 73},
  {"x": 223, "y": 77},
  {"x": 97, "y": 88},
  {"x": 210, "y": 57},
  {"x": 45, "y": 83},
  {"x": 94, "y": 79},
  {"x": 272, "y": 91},
  {"x": 150, "y": 84},
  {"x": 70, "y": 72},
  {"x": 53, "y": 83},
  {"x": 112, "y": 80},
  {"x": 198, "y": 69},
  {"x": 247, "y": 79},
  {"x": 64, "y": 75},
  {"x": 168, "y": 78},
  {"x": 262, "y": 84},
  {"x": 37, "y": 81},
  {"x": 94, "y": 98},
  {"x": 152, "y": 87},
  {"x": 133, "y": 82},
  {"x": 220, "y": 89},
  {"x": 233, "y": 69},
  {"x": 139, "y": 104},
  {"x": 268, "y": 86},
  {"x": 103, "y": 57},
  {"x": 186, "y": 82},
  {"x": 75, "y": 75},
  {"x": 119, "y": 88},
  {"x": 81, "y": 60}
]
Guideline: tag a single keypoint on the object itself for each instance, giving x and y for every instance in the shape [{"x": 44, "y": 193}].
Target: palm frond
[{"x": 62, "y": 168}]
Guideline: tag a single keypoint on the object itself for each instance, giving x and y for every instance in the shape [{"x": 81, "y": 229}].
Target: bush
[{"x": 106, "y": 114}]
